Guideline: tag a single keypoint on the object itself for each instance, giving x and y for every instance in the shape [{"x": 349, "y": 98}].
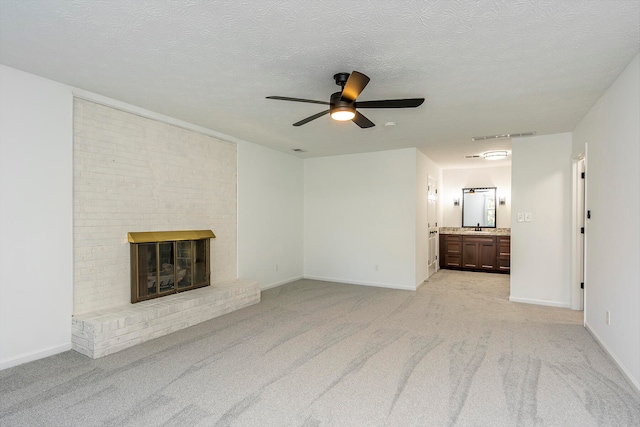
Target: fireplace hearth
[{"x": 168, "y": 262}]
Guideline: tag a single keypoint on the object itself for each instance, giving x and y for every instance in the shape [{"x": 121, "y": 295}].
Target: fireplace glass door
[{"x": 163, "y": 268}]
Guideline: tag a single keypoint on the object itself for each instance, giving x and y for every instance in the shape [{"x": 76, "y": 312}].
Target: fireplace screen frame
[{"x": 167, "y": 262}]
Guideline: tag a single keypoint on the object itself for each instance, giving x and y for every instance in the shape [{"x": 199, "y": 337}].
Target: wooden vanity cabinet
[{"x": 475, "y": 252}]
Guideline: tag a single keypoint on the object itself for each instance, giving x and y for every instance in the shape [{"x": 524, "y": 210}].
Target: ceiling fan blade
[
  {"x": 362, "y": 121},
  {"x": 308, "y": 119},
  {"x": 391, "y": 103},
  {"x": 354, "y": 85},
  {"x": 286, "y": 98}
]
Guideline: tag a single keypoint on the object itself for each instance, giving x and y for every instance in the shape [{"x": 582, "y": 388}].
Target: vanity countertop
[{"x": 472, "y": 232}]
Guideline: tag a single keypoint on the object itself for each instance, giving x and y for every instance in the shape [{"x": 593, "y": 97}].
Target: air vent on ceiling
[
  {"x": 298, "y": 150},
  {"x": 505, "y": 135},
  {"x": 475, "y": 156}
]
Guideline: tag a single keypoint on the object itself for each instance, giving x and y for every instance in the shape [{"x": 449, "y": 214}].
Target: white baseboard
[
  {"x": 283, "y": 282},
  {"x": 30, "y": 357},
  {"x": 626, "y": 373},
  {"x": 539, "y": 302},
  {"x": 357, "y": 282}
]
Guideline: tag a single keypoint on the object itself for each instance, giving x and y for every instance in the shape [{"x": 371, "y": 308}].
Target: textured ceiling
[{"x": 484, "y": 67}]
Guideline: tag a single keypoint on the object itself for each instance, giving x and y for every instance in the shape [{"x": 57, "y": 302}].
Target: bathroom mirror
[{"x": 479, "y": 207}]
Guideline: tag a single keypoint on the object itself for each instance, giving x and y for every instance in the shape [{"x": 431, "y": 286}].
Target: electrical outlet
[
  {"x": 520, "y": 217},
  {"x": 527, "y": 217},
  {"x": 608, "y": 317}
]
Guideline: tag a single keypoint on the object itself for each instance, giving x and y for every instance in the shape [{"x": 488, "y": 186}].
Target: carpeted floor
[{"x": 456, "y": 352}]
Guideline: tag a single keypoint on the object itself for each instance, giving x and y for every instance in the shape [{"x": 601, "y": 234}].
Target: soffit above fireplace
[{"x": 168, "y": 236}]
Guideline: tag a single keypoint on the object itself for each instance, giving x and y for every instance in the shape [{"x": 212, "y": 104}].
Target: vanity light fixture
[{"x": 495, "y": 155}]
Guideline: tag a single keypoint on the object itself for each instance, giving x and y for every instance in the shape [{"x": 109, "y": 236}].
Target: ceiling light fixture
[
  {"x": 342, "y": 114},
  {"x": 504, "y": 135},
  {"x": 495, "y": 155},
  {"x": 342, "y": 110}
]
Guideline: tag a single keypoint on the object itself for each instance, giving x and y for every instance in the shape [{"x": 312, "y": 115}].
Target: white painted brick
[
  {"x": 125, "y": 179},
  {"x": 109, "y": 330}
]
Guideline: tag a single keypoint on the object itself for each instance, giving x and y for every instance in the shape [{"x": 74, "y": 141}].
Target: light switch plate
[
  {"x": 520, "y": 217},
  {"x": 527, "y": 217}
]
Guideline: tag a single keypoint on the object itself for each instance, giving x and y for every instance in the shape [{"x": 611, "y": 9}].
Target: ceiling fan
[{"x": 343, "y": 105}]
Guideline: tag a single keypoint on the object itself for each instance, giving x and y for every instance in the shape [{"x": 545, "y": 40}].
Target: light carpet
[{"x": 312, "y": 353}]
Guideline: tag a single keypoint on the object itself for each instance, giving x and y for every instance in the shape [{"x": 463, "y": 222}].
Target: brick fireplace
[{"x": 136, "y": 173}]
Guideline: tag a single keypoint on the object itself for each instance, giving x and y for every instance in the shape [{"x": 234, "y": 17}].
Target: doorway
[{"x": 579, "y": 234}]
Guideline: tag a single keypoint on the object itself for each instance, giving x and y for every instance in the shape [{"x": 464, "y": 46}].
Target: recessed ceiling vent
[
  {"x": 474, "y": 156},
  {"x": 298, "y": 150},
  {"x": 505, "y": 135}
]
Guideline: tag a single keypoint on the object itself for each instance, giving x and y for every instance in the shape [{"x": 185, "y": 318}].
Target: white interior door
[
  {"x": 432, "y": 199},
  {"x": 581, "y": 219}
]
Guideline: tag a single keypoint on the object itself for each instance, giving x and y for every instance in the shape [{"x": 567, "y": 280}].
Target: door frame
[{"x": 578, "y": 239}]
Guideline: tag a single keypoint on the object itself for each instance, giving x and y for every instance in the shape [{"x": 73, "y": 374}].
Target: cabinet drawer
[
  {"x": 454, "y": 248},
  {"x": 479, "y": 239},
  {"x": 452, "y": 260},
  {"x": 504, "y": 249},
  {"x": 504, "y": 264}
]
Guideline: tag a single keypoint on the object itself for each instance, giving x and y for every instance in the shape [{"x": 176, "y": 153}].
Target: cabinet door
[
  {"x": 479, "y": 252},
  {"x": 470, "y": 254},
  {"x": 487, "y": 252}
]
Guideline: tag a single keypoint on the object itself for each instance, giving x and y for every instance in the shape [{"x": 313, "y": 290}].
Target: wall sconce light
[
  {"x": 502, "y": 200},
  {"x": 456, "y": 202}
]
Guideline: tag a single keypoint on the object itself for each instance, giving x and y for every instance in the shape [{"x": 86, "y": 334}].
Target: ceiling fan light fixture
[
  {"x": 495, "y": 155},
  {"x": 341, "y": 110},
  {"x": 342, "y": 115}
]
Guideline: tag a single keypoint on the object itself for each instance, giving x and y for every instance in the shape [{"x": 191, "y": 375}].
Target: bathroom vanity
[{"x": 464, "y": 249}]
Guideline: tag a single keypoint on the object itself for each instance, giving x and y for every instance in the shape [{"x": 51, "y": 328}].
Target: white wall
[
  {"x": 36, "y": 255},
  {"x": 612, "y": 131},
  {"x": 360, "y": 218},
  {"x": 540, "y": 249},
  {"x": 270, "y": 215},
  {"x": 454, "y": 180}
]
